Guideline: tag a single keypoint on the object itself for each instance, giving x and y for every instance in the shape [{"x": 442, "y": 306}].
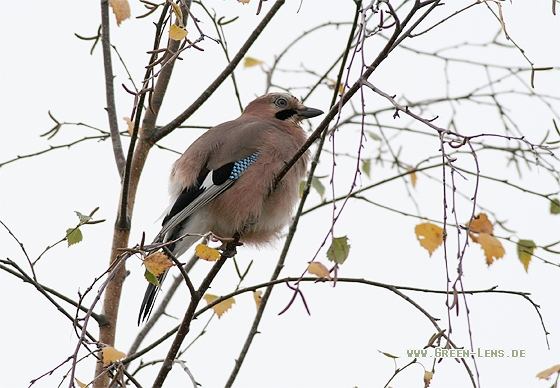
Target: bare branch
[
  {"x": 109, "y": 88},
  {"x": 165, "y": 130}
]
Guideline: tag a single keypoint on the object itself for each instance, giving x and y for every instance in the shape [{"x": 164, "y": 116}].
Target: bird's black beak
[{"x": 309, "y": 112}]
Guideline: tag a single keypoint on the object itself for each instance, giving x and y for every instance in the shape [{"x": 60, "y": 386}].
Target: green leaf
[
  {"x": 152, "y": 278},
  {"x": 83, "y": 218},
  {"x": 301, "y": 187},
  {"x": 387, "y": 354},
  {"x": 318, "y": 186},
  {"x": 366, "y": 167},
  {"x": 315, "y": 183},
  {"x": 339, "y": 249},
  {"x": 373, "y": 136},
  {"x": 525, "y": 249},
  {"x": 555, "y": 206},
  {"x": 74, "y": 236}
]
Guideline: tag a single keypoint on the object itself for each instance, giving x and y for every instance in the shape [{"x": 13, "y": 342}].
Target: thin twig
[
  {"x": 27, "y": 279},
  {"x": 165, "y": 130}
]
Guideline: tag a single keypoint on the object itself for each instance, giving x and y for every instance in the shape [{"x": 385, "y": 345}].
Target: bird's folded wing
[
  {"x": 206, "y": 196},
  {"x": 168, "y": 232},
  {"x": 214, "y": 184},
  {"x": 186, "y": 204}
]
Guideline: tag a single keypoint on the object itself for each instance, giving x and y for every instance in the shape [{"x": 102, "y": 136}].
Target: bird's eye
[{"x": 281, "y": 102}]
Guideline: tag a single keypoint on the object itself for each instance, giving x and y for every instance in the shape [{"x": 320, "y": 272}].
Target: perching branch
[
  {"x": 293, "y": 226},
  {"x": 184, "y": 328}
]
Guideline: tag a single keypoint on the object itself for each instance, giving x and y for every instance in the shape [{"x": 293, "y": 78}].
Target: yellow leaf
[
  {"x": 110, "y": 354},
  {"x": 80, "y": 384},
  {"x": 525, "y": 249},
  {"x": 257, "y": 296},
  {"x": 492, "y": 247},
  {"x": 209, "y": 298},
  {"x": 130, "y": 125},
  {"x": 413, "y": 176},
  {"x": 250, "y": 62},
  {"x": 207, "y": 253},
  {"x": 177, "y": 33},
  {"x": 341, "y": 89},
  {"x": 243, "y": 1},
  {"x": 177, "y": 11},
  {"x": 429, "y": 235},
  {"x": 481, "y": 224},
  {"x": 157, "y": 263},
  {"x": 331, "y": 84},
  {"x": 121, "y": 9},
  {"x": 427, "y": 378},
  {"x": 318, "y": 269},
  {"x": 221, "y": 307},
  {"x": 545, "y": 374},
  {"x": 481, "y": 232}
]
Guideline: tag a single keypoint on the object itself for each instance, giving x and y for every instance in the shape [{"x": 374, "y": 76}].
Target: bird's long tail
[{"x": 150, "y": 299}]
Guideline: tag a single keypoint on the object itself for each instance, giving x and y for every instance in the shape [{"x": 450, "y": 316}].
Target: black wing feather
[
  {"x": 187, "y": 202},
  {"x": 188, "y": 195}
]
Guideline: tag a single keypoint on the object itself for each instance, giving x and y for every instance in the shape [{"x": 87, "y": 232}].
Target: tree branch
[
  {"x": 184, "y": 328},
  {"x": 293, "y": 226},
  {"x": 110, "y": 90},
  {"x": 45, "y": 292},
  {"x": 165, "y": 130}
]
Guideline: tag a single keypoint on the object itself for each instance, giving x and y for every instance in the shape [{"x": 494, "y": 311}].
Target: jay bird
[{"x": 224, "y": 182}]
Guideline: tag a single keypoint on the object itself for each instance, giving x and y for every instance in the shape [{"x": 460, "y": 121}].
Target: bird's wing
[
  {"x": 187, "y": 203},
  {"x": 194, "y": 198}
]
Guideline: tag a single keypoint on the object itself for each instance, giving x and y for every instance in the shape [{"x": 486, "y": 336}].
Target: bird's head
[{"x": 281, "y": 106}]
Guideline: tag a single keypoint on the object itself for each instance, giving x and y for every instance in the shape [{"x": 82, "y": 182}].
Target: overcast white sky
[{"x": 45, "y": 68}]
